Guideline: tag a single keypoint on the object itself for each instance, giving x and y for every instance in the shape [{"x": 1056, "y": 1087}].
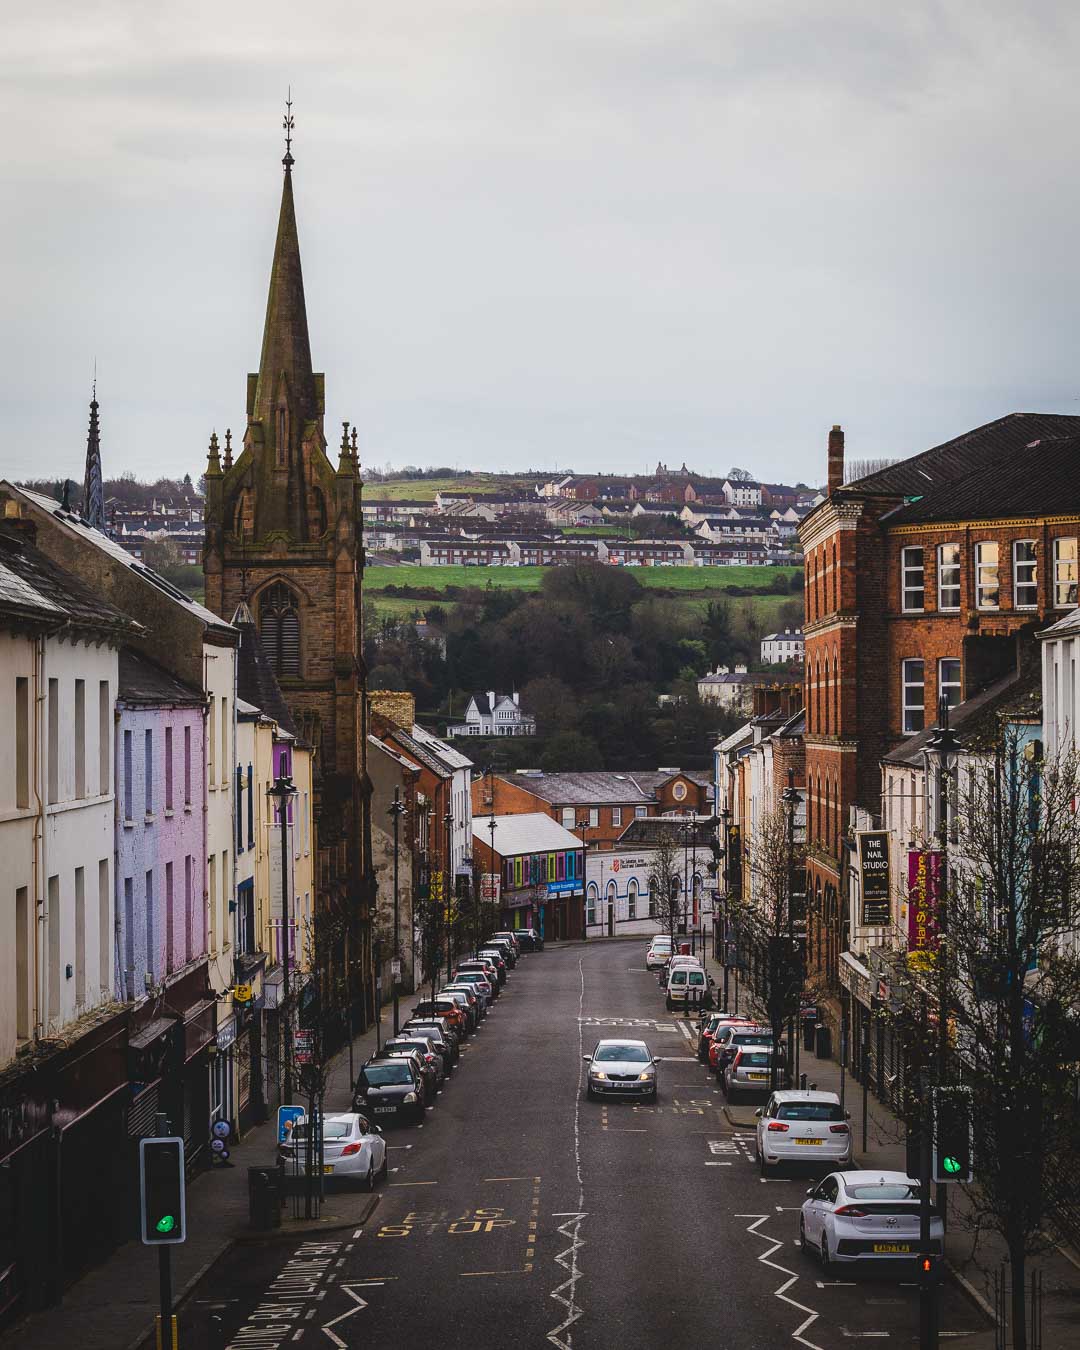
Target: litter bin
[
  {"x": 264, "y": 1197},
  {"x": 809, "y": 1031},
  {"x": 823, "y": 1041}
]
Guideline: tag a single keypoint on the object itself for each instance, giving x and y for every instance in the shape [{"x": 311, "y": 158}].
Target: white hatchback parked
[{"x": 804, "y": 1127}]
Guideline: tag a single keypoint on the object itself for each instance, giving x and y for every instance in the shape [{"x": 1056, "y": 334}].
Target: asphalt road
[{"x": 521, "y": 1214}]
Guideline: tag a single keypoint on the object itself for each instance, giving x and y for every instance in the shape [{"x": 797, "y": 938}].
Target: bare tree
[
  {"x": 665, "y": 898},
  {"x": 1007, "y": 971},
  {"x": 765, "y": 930}
]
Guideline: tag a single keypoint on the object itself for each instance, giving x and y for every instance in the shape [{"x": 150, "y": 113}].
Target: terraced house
[{"x": 923, "y": 581}]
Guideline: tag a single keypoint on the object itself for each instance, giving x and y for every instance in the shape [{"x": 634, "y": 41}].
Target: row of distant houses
[{"x": 453, "y": 551}]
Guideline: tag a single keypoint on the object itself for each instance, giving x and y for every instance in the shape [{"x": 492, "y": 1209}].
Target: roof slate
[
  {"x": 145, "y": 682},
  {"x": 57, "y": 591},
  {"x": 1039, "y": 478},
  {"x": 255, "y": 680},
  {"x": 634, "y": 787},
  {"x": 972, "y": 452}
]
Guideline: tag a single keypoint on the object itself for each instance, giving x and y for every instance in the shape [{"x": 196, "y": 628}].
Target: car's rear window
[
  {"x": 755, "y": 1060},
  {"x": 752, "y": 1038},
  {"x": 332, "y": 1129},
  {"x": 888, "y": 1191},
  {"x": 810, "y": 1111},
  {"x": 696, "y": 977},
  {"x": 678, "y": 977}
]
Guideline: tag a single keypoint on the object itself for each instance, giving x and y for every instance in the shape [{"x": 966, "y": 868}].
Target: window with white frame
[
  {"x": 948, "y": 576},
  {"x": 987, "y": 590},
  {"x": 590, "y": 907},
  {"x": 1025, "y": 575},
  {"x": 914, "y": 701},
  {"x": 594, "y": 817},
  {"x": 949, "y": 680},
  {"x": 616, "y": 815},
  {"x": 1065, "y": 573},
  {"x": 912, "y": 576},
  {"x": 640, "y": 812},
  {"x": 568, "y": 820}
]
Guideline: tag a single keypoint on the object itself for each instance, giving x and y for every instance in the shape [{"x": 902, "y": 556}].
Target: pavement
[
  {"x": 521, "y": 1214},
  {"x": 114, "y": 1305}
]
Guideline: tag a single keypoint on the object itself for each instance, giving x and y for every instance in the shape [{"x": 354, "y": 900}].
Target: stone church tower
[{"x": 283, "y": 533}]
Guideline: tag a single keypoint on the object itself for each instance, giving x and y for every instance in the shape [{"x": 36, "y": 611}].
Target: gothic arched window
[{"x": 279, "y": 629}]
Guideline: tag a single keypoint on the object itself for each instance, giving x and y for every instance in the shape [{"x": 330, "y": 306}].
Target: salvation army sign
[{"x": 874, "y": 877}]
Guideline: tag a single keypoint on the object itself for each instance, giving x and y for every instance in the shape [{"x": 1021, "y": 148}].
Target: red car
[
  {"x": 711, "y": 1025},
  {"x": 718, "y": 1031}
]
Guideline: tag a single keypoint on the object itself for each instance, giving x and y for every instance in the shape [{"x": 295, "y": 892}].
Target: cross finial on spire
[{"x": 288, "y": 125}]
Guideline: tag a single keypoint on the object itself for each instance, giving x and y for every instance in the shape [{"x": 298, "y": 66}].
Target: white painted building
[
  {"x": 742, "y": 494},
  {"x": 494, "y": 714},
  {"x": 58, "y": 679},
  {"x": 461, "y": 831},
  {"x": 780, "y": 648},
  {"x": 1061, "y": 685}
]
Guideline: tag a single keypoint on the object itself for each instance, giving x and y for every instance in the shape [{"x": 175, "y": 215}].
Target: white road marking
[
  {"x": 720, "y": 1164},
  {"x": 572, "y": 1228},
  {"x": 859, "y": 1335},
  {"x": 781, "y": 1291},
  {"x": 835, "y": 1284},
  {"x": 360, "y": 1303}
]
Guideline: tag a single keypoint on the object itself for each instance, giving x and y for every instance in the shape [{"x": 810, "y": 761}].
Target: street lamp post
[
  {"x": 943, "y": 745},
  {"x": 583, "y": 826},
  {"x": 492, "y": 824},
  {"x": 397, "y": 809},
  {"x": 282, "y": 791},
  {"x": 790, "y": 798},
  {"x": 725, "y": 816},
  {"x": 448, "y": 825}
]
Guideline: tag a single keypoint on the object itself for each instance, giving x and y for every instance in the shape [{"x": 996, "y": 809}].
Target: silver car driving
[{"x": 620, "y": 1068}]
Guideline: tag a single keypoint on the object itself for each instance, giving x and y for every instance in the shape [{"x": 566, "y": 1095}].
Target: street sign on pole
[{"x": 288, "y": 1117}]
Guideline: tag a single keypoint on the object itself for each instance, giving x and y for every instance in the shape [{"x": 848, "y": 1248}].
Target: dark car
[
  {"x": 450, "y": 1034},
  {"x": 389, "y": 1089},
  {"x": 514, "y": 938},
  {"x": 505, "y": 949},
  {"x": 501, "y": 963},
  {"x": 430, "y": 1052},
  {"x": 530, "y": 940},
  {"x": 734, "y": 1038},
  {"x": 429, "y": 1076},
  {"x": 466, "y": 1001}
]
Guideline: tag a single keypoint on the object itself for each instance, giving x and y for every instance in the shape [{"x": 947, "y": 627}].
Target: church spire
[
  {"x": 93, "y": 492},
  {"x": 285, "y": 378}
]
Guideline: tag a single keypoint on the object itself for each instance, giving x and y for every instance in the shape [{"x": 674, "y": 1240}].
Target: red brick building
[
  {"x": 921, "y": 581},
  {"x": 606, "y": 801}
]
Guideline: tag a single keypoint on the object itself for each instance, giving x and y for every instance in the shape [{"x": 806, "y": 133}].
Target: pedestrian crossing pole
[{"x": 163, "y": 1206}]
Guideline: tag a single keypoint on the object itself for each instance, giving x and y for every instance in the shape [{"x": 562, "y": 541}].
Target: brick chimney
[{"x": 836, "y": 459}]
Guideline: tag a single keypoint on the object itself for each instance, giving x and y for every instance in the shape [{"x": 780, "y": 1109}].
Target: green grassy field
[
  {"x": 703, "y": 580},
  {"x": 425, "y": 489}
]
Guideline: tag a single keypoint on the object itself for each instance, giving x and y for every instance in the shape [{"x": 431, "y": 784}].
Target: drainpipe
[{"x": 39, "y": 839}]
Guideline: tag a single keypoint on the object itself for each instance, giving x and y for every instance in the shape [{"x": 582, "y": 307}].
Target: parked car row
[{"x": 401, "y": 1080}]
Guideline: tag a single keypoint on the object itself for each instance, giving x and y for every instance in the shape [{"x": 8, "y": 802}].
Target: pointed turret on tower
[{"x": 93, "y": 490}]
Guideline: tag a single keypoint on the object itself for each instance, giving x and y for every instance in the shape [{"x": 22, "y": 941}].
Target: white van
[{"x": 688, "y": 986}]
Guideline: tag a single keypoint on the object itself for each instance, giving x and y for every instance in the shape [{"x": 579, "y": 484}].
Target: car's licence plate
[
  {"x": 384, "y": 1109},
  {"x": 327, "y": 1168},
  {"x": 757, "y": 1077},
  {"x": 891, "y": 1248},
  {"x": 808, "y": 1141}
]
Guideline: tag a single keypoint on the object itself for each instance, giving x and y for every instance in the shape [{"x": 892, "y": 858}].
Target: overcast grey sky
[{"x": 540, "y": 234}]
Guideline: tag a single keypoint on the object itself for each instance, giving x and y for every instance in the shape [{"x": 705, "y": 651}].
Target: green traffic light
[
  {"x": 951, "y": 1164},
  {"x": 166, "y": 1223}
]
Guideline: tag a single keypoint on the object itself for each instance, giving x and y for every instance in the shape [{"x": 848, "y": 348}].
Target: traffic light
[
  {"x": 953, "y": 1134},
  {"x": 928, "y": 1269},
  {"x": 162, "y": 1199}
]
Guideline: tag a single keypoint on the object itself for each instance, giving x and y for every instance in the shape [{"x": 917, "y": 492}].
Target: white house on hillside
[
  {"x": 779, "y": 648},
  {"x": 493, "y": 714}
]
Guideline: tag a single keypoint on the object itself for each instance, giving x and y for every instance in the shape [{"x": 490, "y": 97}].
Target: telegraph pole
[
  {"x": 397, "y": 807},
  {"x": 282, "y": 790}
]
